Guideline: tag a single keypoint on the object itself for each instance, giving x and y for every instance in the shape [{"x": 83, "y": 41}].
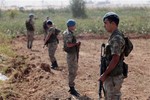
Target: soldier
[
  {"x": 30, "y": 30},
  {"x": 51, "y": 41},
  {"x": 45, "y": 27},
  {"x": 112, "y": 78},
  {"x": 71, "y": 46}
]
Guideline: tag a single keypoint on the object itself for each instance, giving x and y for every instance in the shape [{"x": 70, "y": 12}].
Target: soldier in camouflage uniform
[
  {"x": 71, "y": 46},
  {"x": 51, "y": 41},
  {"x": 112, "y": 78},
  {"x": 30, "y": 30}
]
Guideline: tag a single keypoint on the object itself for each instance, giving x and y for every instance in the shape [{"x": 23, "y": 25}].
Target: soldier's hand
[
  {"x": 79, "y": 43},
  {"x": 102, "y": 78}
]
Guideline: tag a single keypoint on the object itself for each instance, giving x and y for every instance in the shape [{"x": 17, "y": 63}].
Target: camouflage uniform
[
  {"x": 71, "y": 57},
  {"x": 30, "y": 32},
  {"x": 52, "y": 45},
  {"x": 51, "y": 50},
  {"x": 113, "y": 83}
]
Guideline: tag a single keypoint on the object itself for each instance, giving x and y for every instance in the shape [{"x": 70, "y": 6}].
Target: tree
[{"x": 78, "y": 8}]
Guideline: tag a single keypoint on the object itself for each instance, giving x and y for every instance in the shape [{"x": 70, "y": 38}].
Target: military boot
[
  {"x": 74, "y": 92},
  {"x": 29, "y": 45},
  {"x": 54, "y": 65}
]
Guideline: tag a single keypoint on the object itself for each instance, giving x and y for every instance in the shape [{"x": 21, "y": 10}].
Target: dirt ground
[{"x": 40, "y": 84}]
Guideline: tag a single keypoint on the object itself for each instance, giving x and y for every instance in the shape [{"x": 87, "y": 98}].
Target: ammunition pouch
[
  {"x": 69, "y": 49},
  {"x": 118, "y": 70},
  {"x": 121, "y": 68}
]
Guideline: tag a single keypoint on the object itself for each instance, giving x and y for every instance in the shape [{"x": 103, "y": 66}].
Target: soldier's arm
[
  {"x": 48, "y": 36},
  {"x": 111, "y": 66},
  {"x": 73, "y": 44},
  {"x": 69, "y": 38},
  {"x": 115, "y": 52}
]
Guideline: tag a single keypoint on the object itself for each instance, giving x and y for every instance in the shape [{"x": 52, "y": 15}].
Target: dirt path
[{"x": 42, "y": 85}]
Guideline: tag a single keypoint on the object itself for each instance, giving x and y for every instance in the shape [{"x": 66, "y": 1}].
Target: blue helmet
[
  {"x": 49, "y": 22},
  {"x": 31, "y": 15},
  {"x": 71, "y": 22},
  {"x": 111, "y": 16}
]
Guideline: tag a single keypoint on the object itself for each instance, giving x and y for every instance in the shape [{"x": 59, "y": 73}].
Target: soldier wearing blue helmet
[
  {"x": 71, "y": 47},
  {"x": 111, "y": 16},
  {"x": 31, "y": 15},
  {"x": 112, "y": 78},
  {"x": 71, "y": 22},
  {"x": 51, "y": 41},
  {"x": 30, "y": 30}
]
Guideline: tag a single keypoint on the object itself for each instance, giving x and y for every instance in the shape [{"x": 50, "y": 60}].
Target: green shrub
[
  {"x": 78, "y": 8},
  {"x": 13, "y": 14}
]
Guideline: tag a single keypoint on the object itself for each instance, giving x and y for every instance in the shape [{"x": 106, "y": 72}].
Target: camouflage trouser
[
  {"x": 30, "y": 37},
  {"x": 72, "y": 68},
  {"x": 112, "y": 87},
  {"x": 51, "y": 50}
]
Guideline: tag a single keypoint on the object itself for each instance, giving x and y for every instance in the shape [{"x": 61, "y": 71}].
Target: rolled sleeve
[
  {"x": 115, "y": 49},
  {"x": 117, "y": 45}
]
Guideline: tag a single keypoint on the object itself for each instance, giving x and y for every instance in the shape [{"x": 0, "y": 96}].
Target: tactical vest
[
  {"x": 53, "y": 37},
  {"x": 29, "y": 26},
  {"x": 70, "y": 49}
]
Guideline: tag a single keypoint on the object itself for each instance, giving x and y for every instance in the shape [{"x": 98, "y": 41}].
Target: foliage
[
  {"x": 78, "y": 8},
  {"x": 0, "y": 13},
  {"x": 4, "y": 47},
  {"x": 132, "y": 20},
  {"x": 13, "y": 14}
]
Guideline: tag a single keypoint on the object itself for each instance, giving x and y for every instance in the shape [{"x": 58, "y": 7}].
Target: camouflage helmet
[
  {"x": 71, "y": 22},
  {"x": 112, "y": 16},
  {"x": 49, "y": 22}
]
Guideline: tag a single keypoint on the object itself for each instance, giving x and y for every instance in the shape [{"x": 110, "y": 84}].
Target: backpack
[
  {"x": 127, "y": 50},
  {"x": 29, "y": 26},
  {"x": 128, "y": 46}
]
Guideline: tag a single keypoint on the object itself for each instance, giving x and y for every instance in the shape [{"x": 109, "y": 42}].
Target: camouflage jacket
[
  {"x": 30, "y": 25},
  {"x": 115, "y": 45},
  {"x": 69, "y": 37},
  {"x": 52, "y": 35}
]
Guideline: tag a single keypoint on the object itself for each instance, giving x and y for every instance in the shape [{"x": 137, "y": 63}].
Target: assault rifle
[
  {"x": 57, "y": 31},
  {"x": 102, "y": 70},
  {"x": 78, "y": 50}
]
